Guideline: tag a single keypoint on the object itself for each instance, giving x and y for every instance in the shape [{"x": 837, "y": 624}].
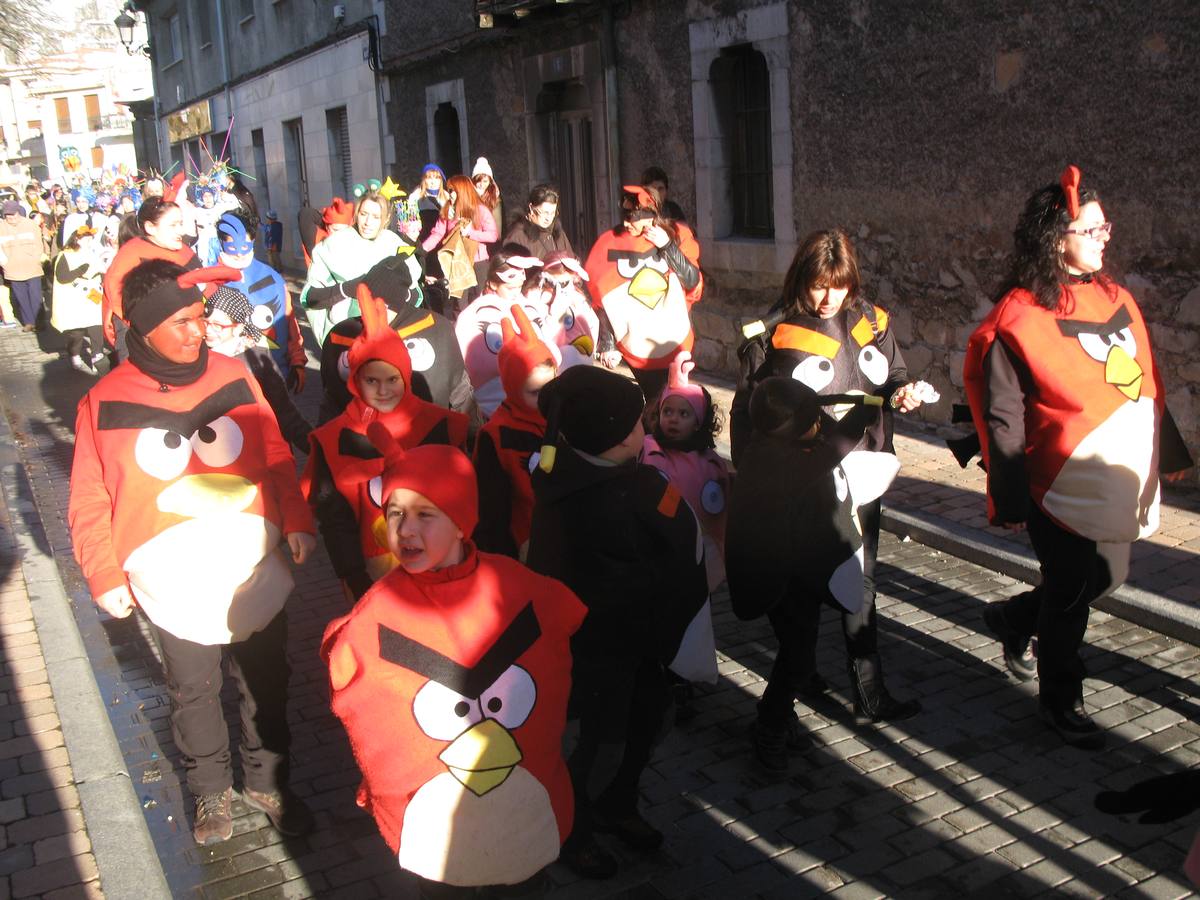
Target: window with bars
[
  {"x": 340, "y": 176},
  {"x": 742, "y": 88}
]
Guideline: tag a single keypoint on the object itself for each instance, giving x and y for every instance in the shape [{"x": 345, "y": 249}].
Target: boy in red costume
[
  {"x": 508, "y": 444},
  {"x": 343, "y": 478},
  {"x": 176, "y": 452},
  {"x": 451, "y": 678}
]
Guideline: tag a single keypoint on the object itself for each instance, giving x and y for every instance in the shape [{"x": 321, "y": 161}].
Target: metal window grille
[{"x": 340, "y": 175}]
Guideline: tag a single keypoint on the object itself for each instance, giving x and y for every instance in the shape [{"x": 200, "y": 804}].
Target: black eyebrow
[
  {"x": 1074, "y": 327},
  {"x": 615, "y": 255},
  {"x": 118, "y": 414},
  {"x": 518, "y": 637},
  {"x": 358, "y": 446}
]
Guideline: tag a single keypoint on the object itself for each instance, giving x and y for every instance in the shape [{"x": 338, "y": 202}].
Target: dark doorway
[
  {"x": 446, "y": 139},
  {"x": 564, "y": 130}
]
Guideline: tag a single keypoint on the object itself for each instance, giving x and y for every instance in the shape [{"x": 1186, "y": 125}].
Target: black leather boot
[{"x": 872, "y": 702}]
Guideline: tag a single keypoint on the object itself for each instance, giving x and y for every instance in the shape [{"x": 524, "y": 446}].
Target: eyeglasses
[
  {"x": 1096, "y": 233},
  {"x": 218, "y": 326}
]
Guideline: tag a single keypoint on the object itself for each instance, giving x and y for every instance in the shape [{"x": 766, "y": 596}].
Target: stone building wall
[{"x": 919, "y": 126}]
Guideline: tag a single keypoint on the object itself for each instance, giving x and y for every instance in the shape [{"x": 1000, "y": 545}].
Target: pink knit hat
[{"x": 678, "y": 386}]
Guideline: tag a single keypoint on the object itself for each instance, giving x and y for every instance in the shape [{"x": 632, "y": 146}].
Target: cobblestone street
[{"x": 975, "y": 796}]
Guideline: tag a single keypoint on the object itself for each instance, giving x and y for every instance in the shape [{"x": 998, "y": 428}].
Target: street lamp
[{"x": 125, "y": 24}]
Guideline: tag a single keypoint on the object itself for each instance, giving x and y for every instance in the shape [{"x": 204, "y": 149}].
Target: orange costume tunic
[
  {"x": 452, "y": 685},
  {"x": 1093, "y": 408},
  {"x": 184, "y": 493},
  {"x": 647, "y": 305}
]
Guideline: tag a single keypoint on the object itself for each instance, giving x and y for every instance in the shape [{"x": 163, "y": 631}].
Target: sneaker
[
  {"x": 1074, "y": 726},
  {"x": 1018, "y": 648},
  {"x": 8, "y": 324},
  {"x": 79, "y": 365},
  {"x": 214, "y": 818},
  {"x": 287, "y": 812},
  {"x": 588, "y": 859},
  {"x": 631, "y": 829},
  {"x": 770, "y": 747}
]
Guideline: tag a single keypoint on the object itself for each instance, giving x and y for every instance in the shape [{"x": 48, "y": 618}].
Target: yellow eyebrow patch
[
  {"x": 796, "y": 337},
  {"x": 862, "y": 332}
]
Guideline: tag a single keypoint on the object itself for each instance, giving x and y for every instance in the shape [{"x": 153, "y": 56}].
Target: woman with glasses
[
  {"x": 1070, "y": 412},
  {"x": 540, "y": 231}
]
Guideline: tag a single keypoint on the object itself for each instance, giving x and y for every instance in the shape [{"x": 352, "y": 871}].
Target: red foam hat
[
  {"x": 520, "y": 353},
  {"x": 439, "y": 473},
  {"x": 377, "y": 341},
  {"x": 339, "y": 212}
]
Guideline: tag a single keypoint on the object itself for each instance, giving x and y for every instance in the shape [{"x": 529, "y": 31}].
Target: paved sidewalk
[
  {"x": 973, "y": 796},
  {"x": 42, "y": 832}
]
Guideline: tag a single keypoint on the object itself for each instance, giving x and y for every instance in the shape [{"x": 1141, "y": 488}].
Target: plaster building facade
[
  {"x": 289, "y": 89},
  {"x": 65, "y": 113}
]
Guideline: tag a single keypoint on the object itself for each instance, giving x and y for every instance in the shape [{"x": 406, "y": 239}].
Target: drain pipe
[{"x": 608, "y": 53}]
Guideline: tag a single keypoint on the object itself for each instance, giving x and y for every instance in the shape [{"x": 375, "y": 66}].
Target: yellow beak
[
  {"x": 1122, "y": 372},
  {"x": 649, "y": 287},
  {"x": 205, "y": 495},
  {"x": 482, "y": 757},
  {"x": 584, "y": 344},
  {"x": 379, "y": 530}
]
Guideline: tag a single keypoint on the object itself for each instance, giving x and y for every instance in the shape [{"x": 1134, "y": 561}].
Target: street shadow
[
  {"x": 46, "y": 847},
  {"x": 978, "y": 738}
]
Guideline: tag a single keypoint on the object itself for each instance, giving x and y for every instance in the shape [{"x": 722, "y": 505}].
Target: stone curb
[
  {"x": 1162, "y": 614},
  {"x": 121, "y": 842}
]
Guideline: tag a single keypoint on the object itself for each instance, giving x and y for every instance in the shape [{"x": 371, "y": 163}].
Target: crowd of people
[{"x": 528, "y": 539}]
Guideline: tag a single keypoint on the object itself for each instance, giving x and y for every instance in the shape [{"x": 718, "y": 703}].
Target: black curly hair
[
  {"x": 1036, "y": 263},
  {"x": 703, "y": 438}
]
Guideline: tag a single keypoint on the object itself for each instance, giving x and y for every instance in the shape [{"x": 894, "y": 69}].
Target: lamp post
[{"x": 125, "y": 23}]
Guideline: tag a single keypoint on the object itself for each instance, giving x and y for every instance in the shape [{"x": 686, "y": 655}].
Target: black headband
[{"x": 160, "y": 303}]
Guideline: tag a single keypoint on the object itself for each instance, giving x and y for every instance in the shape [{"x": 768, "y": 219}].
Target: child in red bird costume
[
  {"x": 1069, "y": 408},
  {"x": 451, "y": 677},
  {"x": 509, "y": 444},
  {"x": 645, "y": 275},
  {"x": 175, "y": 454},
  {"x": 343, "y": 477}
]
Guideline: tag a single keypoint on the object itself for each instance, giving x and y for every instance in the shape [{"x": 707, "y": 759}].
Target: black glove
[
  {"x": 389, "y": 279},
  {"x": 1163, "y": 799},
  {"x": 326, "y": 297}
]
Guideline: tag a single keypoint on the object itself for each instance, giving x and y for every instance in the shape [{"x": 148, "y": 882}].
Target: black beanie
[
  {"x": 595, "y": 409},
  {"x": 784, "y": 407}
]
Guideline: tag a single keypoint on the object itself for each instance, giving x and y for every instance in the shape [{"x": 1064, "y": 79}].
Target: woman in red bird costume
[
  {"x": 343, "y": 477},
  {"x": 451, "y": 677},
  {"x": 1070, "y": 412}
]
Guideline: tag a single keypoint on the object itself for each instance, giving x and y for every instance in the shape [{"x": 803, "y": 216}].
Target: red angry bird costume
[
  {"x": 509, "y": 443},
  {"x": 163, "y": 473},
  {"x": 452, "y": 685},
  {"x": 1093, "y": 413},
  {"x": 640, "y": 289},
  {"x": 342, "y": 480}
]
